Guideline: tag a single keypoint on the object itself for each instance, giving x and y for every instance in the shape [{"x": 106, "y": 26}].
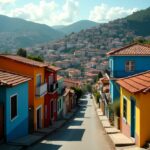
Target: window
[
  {"x": 13, "y": 107},
  {"x": 51, "y": 79},
  {"x": 110, "y": 64},
  {"x": 60, "y": 104},
  {"x": 125, "y": 108},
  {"x": 130, "y": 66},
  {"x": 38, "y": 80}
]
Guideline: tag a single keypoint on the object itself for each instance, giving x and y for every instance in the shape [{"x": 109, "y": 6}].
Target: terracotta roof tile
[
  {"x": 137, "y": 83},
  {"x": 59, "y": 77},
  {"x": 11, "y": 79},
  {"x": 54, "y": 68},
  {"x": 24, "y": 60},
  {"x": 66, "y": 92},
  {"x": 133, "y": 49},
  {"x": 72, "y": 81}
]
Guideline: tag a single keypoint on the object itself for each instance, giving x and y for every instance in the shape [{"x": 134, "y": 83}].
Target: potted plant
[{"x": 115, "y": 108}]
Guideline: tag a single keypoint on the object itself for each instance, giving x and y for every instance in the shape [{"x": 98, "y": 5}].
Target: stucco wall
[
  {"x": 142, "y": 124},
  {"x": 19, "y": 126},
  {"x": 118, "y": 65}
]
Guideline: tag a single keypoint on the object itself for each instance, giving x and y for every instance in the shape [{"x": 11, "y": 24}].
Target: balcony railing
[
  {"x": 41, "y": 90},
  {"x": 52, "y": 87},
  {"x": 61, "y": 91}
]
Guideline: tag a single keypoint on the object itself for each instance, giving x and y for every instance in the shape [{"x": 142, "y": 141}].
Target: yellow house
[{"x": 135, "y": 107}]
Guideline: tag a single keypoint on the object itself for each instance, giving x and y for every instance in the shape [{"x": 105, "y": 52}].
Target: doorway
[
  {"x": 39, "y": 117},
  {"x": 52, "y": 110},
  {"x": 132, "y": 118}
]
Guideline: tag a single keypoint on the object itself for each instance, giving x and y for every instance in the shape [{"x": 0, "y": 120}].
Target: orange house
[{"x": 37, "y": 86}]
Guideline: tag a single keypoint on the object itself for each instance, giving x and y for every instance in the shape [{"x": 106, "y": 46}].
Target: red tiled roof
[
  {"x": 136, "y": 83},
  {"x": 72, "y": 81},
  {"x": 133, "y": 49},
  {"x": 66, "y": 91},
  {"x": 59, "y": 77},
  {"x": 90, "y": 74},
  {"x": 24, "y": 60},
  {"x": 11, "y": 79},
  {"x": 104, "y": 80},
  {"x": 106, "y": 89},
  {"x": 54, "y": 68}
]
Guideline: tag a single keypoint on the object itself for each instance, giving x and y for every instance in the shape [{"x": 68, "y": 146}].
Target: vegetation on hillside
[
  {"x": 36, "y": 58},
  {"x": 139, "y": 22},
  {"x": 15, "y": 33},
  {"x": 22, "y": 52}
]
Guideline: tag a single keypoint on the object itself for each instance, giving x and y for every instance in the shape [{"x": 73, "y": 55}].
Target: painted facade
[
  {"x": 66, "y": 102},
  {"x": 60, "y": 92},
  {"x": 14, "y": 99},
  {"x": 37, "y": 85},
  {"x": 117, "y": 65},
  {"x": 134, "y": 107},
  {"x": 104, "y": 92},
  {"x": 51, "y": 98},
  {"x": 142, "y": 123}
]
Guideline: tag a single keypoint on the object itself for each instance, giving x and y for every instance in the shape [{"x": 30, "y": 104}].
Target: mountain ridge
[
  {"x": 28, "y": 33},
  {"x": 76, "y": 26}
]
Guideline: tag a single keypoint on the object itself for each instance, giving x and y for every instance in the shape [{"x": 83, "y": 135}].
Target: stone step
[
  {"x": 112, "y": 130},
  {"x": 120, "y": 139}
]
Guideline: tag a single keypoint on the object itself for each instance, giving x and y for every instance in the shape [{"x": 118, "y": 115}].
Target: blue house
[
  {"x": 14, "y": 102},
  {"x": 127, "y": 61}
]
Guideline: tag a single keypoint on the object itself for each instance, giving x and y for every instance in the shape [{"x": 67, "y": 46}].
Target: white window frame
[
  {"x": 111, "y": 64},
  {"x": 12, "y": 119},
  {"x": 130, "y": 67},
  {"x": 126, "y": 108}
]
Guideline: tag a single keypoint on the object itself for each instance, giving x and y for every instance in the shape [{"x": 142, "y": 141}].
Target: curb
[{"x": 96, "y": 107}]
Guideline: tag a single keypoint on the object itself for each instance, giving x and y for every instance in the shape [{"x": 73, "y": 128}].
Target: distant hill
[
  {"x": 15, "y": 33},
  {"x": 110, "y": 35},
  {"x": 139, "y": 22},
  {"x": 58, "y": 27},
  {"x": 77, "y": 26}
]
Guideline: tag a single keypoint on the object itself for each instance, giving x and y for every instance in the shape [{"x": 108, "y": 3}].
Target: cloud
[
  {"x": 105, "y": 13},
  {"x": 47, "y": 12},
  {"x": 7, "y": 1}
]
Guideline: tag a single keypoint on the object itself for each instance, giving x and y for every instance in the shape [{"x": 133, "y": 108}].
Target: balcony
[
  {"x": 52, "y": 87},
  {"x": 41, "y": 90},
  {"x": 61, "y": 91}
]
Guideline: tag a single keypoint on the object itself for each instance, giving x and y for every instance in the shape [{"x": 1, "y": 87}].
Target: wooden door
[{"x": 31, "y": 120}]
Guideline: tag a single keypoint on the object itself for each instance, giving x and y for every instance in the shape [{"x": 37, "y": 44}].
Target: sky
[{"x": 64, "y": 12}]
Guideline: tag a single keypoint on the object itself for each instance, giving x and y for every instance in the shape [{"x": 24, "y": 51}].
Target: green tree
[
  {"x": 78, "y": 92},
  {"x": 97, "y": 96},
  {"x": 22, "y": 52},
  {"x": 36, "y": 58},
  {"x": 89, "y": 87}
]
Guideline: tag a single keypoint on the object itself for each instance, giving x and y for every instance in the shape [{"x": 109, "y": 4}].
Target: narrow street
[{"x": 83, "y": 132}]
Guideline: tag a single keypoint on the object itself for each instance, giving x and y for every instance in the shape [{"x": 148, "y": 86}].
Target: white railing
[{"x": 41, "y": 90}]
